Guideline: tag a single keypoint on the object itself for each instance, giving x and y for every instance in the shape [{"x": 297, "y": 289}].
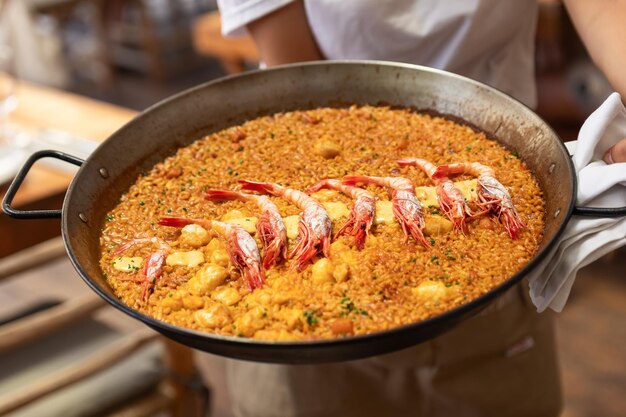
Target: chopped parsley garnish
[
  {"x": 141, "y": 203},
  {"x": 434, "y": 259},
  {"x": 413, "y": 259},
  {"x": 109, "y": 217},
  {"x": 350, "y": 307},
  {"x": 434, "y": 211},
  {"x": 468, "y": 148},
  {"x": 432, "y": 241},
  {"x": 448, "y": 254},
  {"x": 311, "y": 317}
]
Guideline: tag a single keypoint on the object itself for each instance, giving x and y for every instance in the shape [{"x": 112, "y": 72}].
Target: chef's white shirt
[{"x": 491, "y": 41}]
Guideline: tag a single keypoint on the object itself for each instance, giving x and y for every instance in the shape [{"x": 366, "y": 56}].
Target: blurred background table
[{"x": 47, "y": 108}]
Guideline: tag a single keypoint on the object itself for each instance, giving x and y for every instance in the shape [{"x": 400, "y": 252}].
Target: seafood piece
[
  {"x": 362, "y": 212},
  {"x": 314, "y": 228},
  {"x": 270, "y": 227},
  {"x": 406, "y": 207},
  {"x": 153, "y": 268},
  {"x": 450, "y": 198},
  {"x": 492, "y": 195},
  {"x": 241, "y": 247}
]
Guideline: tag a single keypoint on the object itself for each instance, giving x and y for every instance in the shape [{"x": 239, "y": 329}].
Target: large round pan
[{"x": 159, "y": 131}]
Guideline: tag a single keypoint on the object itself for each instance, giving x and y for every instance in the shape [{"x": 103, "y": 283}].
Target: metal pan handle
[
  {"x": 600, "y": 211},
  {"x": 19, "y": 178}
]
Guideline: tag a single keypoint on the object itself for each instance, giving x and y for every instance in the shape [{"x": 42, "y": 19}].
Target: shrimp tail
[
  {"x": 316, "y": 187},
  {"x": 182, "y": 222},
  {"x": 221, "y": 195},
  {"x": 125, "y": 246},
  {"x": 176, "y": 221},
  {"x": 447, "y": 170},
  {"x": 355, "y": 179},
  {"x": 261, "y": 187},
  {"x": 405, "y": 162}
]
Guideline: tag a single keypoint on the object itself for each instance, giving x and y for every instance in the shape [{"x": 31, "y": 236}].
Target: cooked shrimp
[
  {"x": 362, "y": 213},
  {"x": 406, "y": 207},
  {"x": 271, "y": 228},
  {"x": 492, "y": 195},
  {"x": 450, "y": 198},
  {"x": 314, "y": 228},
  {"x": 154, "y": 266},
  {"x": 241, "y": 247}
]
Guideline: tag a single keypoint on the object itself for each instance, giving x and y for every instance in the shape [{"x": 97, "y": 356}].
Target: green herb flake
[
  {"x": 468, "y": 148},
  {"x": 413, "y": 259},
  {"x": 311, "y": 317},
  {"x": 434, "y": 211},
  {"x": 109, "y": 217},
  {"x": 432, "y": 241},
  {"x": 434, "y": 259},
  {"x": 169, "y": 210},
  {"x": 515, "y": 154},
  {"x": 230, "y": 171},
  {"x": 141, "y": 203}
]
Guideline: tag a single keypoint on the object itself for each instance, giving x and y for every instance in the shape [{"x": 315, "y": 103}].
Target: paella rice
[{"x": 389, "y": 282}]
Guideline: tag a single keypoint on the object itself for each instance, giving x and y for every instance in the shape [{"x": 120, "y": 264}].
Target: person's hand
[{"x": 616, "y": 153}]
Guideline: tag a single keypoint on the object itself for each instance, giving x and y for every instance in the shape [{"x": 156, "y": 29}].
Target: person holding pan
[{"x": 503, "y": 361}]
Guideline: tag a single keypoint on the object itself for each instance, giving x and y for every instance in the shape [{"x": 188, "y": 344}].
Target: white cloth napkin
[{"x": 599, "y": 185}]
